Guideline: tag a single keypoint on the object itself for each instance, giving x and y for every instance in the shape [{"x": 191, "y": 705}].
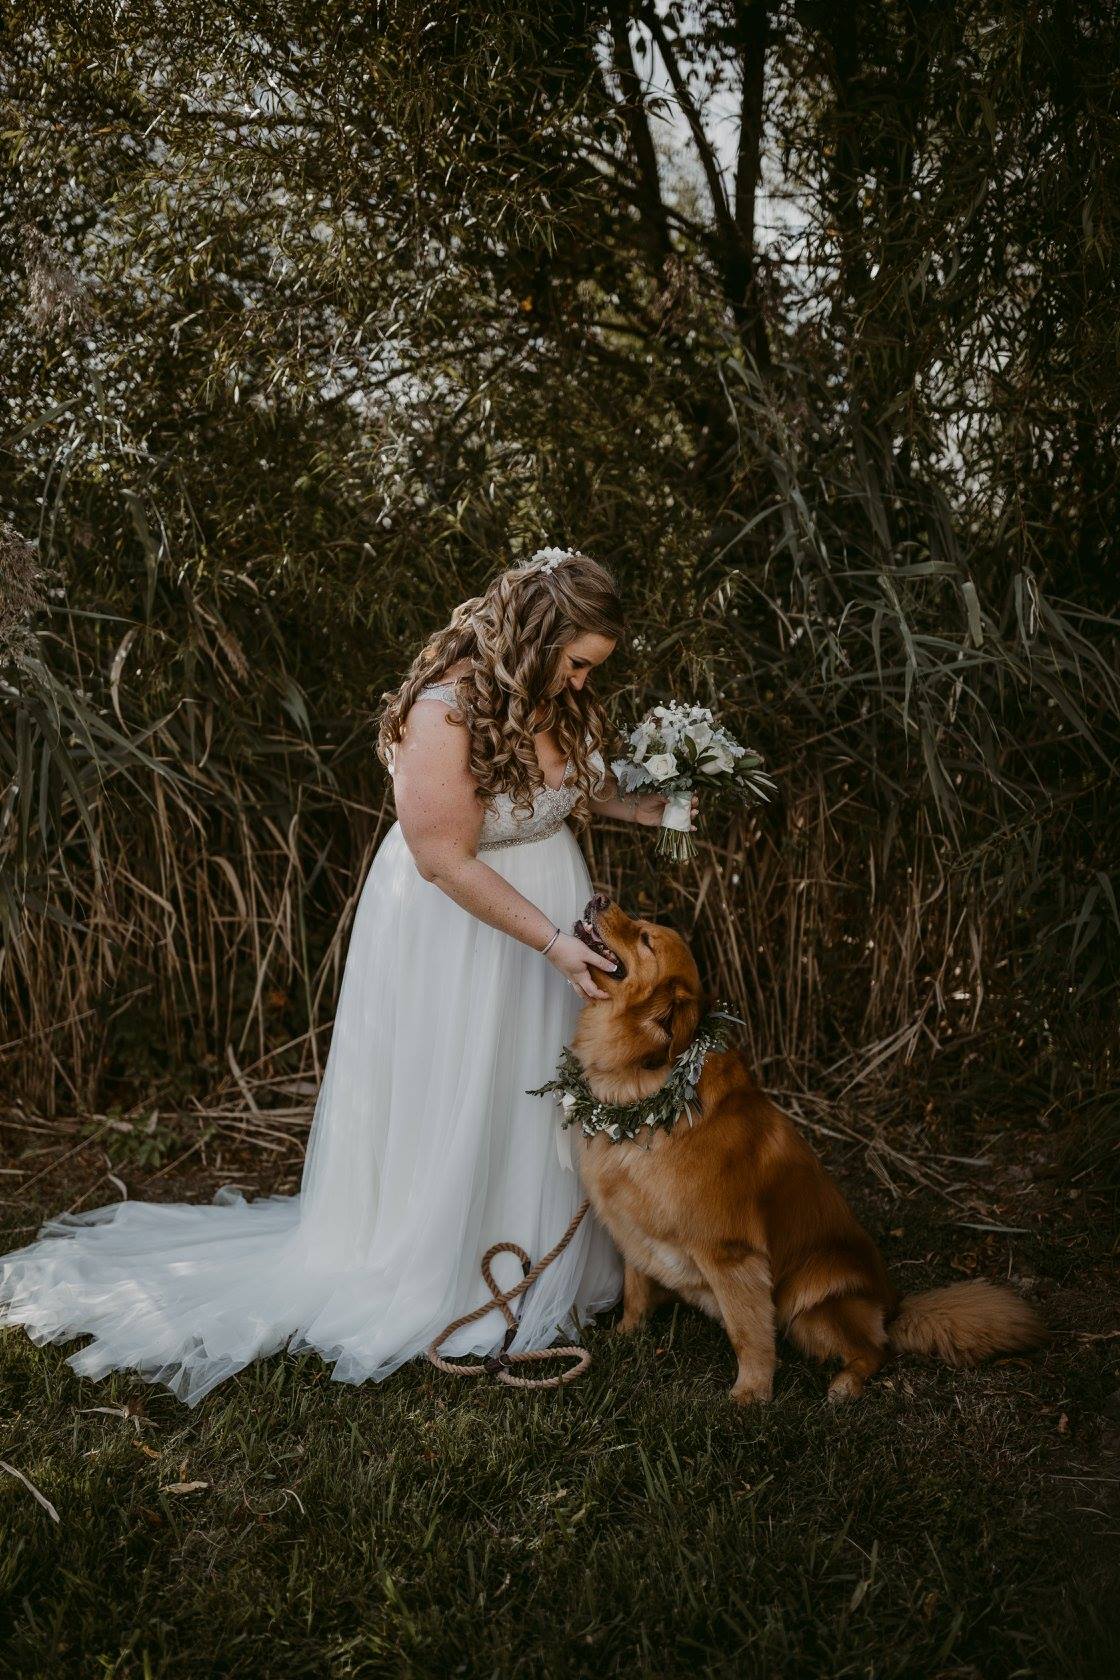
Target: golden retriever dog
[{"x": 734, "y": 1213}]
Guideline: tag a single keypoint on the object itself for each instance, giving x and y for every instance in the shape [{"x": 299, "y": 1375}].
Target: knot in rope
[{"x": 501, "y": 1365}]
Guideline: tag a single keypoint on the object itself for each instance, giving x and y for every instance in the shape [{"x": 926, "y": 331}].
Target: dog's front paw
[
  {"x": 752, "y": 1391},
  {"x": 627, "y": 1326},
  {"x": 846, "y": 1386}
]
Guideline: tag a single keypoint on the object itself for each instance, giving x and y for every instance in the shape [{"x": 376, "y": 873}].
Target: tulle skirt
[{"x": 424, "y": 1149}]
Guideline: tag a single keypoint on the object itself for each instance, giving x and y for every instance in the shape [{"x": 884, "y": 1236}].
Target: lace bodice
[{"x": 501, "y": 827}]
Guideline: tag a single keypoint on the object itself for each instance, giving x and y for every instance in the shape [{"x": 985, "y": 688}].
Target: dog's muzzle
[{"x": 587, "y": 930}]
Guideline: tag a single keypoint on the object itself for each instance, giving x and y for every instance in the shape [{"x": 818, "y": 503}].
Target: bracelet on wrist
[{"x": 545, "y": 949}]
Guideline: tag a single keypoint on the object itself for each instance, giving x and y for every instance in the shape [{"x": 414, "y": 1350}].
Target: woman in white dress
[{"x": 462, "y": 984}]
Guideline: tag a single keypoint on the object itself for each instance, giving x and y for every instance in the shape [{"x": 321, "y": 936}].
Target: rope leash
[{"x": 500, "y": 1365}]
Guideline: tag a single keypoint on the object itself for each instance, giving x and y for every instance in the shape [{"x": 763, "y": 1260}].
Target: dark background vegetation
[{"x": 317, "y": 315}]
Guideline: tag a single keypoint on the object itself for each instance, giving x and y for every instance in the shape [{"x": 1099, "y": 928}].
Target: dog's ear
[{"x": 676, "y": 1013}]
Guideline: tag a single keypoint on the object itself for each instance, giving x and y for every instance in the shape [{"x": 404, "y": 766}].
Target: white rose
[
  {"x": 567, "y": 1102},
  {"x": 661, "y": 766},
  {"x": 715, "y": 760},
  {"x": 700, "y": 733}
]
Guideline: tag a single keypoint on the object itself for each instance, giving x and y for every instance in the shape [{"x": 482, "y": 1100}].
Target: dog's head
[{"x": 655, "y": 1000}]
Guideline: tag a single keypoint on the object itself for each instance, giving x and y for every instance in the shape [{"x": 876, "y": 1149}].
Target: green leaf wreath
[{"x": 624, "y": 1122}]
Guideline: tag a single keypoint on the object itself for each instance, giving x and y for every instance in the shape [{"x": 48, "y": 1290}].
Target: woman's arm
[
  {"x": 645, "y": 808},
  {"x": 610, "y": 803},
  {"x": 441, "y": 821}
]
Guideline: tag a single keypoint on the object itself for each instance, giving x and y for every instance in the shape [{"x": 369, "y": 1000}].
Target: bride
[{"x": 461, "y": 986}]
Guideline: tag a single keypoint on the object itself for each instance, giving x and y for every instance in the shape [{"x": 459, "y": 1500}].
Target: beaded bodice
[{"x": 501, "y": 826}]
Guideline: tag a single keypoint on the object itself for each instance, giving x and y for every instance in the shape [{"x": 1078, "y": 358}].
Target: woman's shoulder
[{"x": 428, "y": 730}]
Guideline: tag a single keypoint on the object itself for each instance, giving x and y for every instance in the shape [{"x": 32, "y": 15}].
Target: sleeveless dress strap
[{"x": 438, "y": 691}]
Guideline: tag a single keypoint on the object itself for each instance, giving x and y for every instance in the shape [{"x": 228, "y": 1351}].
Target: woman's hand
[
  {"x": 650, "y": 807},
  {"x": 575, "y": 960}
]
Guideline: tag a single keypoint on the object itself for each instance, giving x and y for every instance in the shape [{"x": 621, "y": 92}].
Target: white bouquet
[{"x": 675, "y": 749}]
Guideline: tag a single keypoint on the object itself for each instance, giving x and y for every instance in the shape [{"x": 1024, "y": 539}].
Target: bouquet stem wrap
[{"x": 675, "y": 836}]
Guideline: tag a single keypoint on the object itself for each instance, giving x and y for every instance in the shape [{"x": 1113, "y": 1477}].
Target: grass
[{"x": 951, "y": 1525}]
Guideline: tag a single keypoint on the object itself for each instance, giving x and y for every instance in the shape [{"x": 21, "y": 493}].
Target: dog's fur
[{"x": 734, "y": 1213}]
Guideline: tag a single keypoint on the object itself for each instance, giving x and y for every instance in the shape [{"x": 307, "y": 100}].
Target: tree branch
[
  {"x": 752, "y": 30},
  {"x": 735, "y": 252},
  {"x": 649, "y": 17},
  {"x": 648, "y": 197}
]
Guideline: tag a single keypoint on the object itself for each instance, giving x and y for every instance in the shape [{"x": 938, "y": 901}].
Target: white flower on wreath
[{"x": 568, "y": 1102}]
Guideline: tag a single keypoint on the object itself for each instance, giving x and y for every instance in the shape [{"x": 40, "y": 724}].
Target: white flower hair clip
[{"x": 547, "y": 559}]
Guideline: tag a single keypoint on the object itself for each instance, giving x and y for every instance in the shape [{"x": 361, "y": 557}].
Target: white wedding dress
[{"x": 424, "y": 1149}]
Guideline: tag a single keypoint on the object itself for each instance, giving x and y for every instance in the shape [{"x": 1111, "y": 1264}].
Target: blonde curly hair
[{"x": 514, "y": 635}]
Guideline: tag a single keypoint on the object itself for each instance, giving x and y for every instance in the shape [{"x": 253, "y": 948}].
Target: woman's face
[{"x": 580, "y": 656}]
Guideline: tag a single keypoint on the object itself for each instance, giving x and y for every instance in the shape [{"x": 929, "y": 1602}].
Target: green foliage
[
  {"x": 130, "y": 1144},
  {"x": 324, "y": 313}
]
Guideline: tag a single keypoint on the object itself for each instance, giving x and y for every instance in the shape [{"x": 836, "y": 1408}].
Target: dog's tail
[{"x": 966, "y": 1322}]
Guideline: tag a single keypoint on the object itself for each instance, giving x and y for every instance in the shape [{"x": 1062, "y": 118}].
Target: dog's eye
[{"x": 644, "y": 939}]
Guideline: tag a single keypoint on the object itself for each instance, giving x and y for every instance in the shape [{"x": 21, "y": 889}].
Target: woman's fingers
[{"x": 589, "y": 988}]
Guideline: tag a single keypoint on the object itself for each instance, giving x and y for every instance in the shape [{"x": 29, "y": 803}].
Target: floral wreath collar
[{"x": 624, "y": 1122}]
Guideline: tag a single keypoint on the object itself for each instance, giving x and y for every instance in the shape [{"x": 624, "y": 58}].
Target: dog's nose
[{"x": 599, "y": 903}]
